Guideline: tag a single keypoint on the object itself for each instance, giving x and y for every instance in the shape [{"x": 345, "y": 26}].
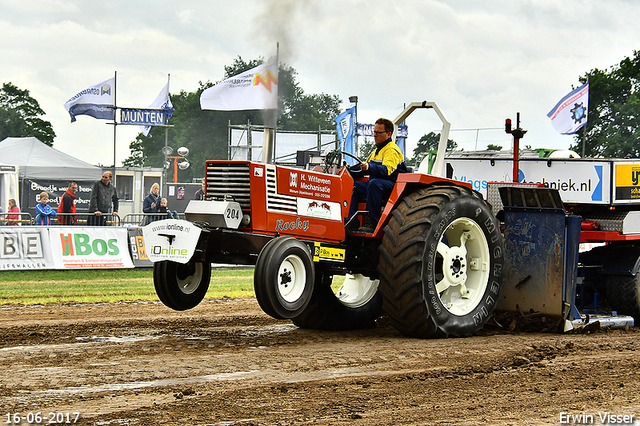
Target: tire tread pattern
[{"x": 402, "y": 258}]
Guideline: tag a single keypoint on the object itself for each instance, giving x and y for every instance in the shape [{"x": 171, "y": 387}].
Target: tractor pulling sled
[{"x": 436, "y": 264}]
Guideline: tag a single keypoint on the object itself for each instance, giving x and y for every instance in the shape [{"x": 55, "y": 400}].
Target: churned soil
[{"x": 227, "y": 363}]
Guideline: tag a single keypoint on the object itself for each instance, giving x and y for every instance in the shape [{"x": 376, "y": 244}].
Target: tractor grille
[
  {"x": 275, "y": 201},
  {"x": 231, "y": 180}
]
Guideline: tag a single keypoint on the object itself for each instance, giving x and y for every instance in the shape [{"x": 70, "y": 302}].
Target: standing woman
[
  {"x": 152, "y": 202},
  {"x": 13, "y": 208}
]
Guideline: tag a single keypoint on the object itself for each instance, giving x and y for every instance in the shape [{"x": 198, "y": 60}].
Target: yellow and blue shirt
[{"x": 386, "y": 161}]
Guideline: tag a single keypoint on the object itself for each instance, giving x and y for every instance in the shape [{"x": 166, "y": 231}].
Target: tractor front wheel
[
  {"x": 181, "y": 286},
  {"x": 283, "y": 278}
]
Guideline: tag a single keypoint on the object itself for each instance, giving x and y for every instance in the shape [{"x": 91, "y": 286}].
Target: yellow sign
[
  {"x": 627, "y": 174},
  {"x": 327, "y": 253},
  {"x": 627, "y": 185}
]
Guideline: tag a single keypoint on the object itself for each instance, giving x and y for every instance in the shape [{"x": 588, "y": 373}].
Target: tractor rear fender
[{"x": 406, "y": 183}]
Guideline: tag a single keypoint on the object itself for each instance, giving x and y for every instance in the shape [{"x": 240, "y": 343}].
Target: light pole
[
  {"x": 354, "y": 100},
  {"x": 182, "y": 154}
]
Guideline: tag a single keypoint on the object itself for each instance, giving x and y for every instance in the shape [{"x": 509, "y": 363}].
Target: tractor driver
[{"x": 382, "y": 166}]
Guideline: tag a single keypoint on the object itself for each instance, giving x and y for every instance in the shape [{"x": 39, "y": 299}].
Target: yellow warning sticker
[{"x": 327, "y": 253}]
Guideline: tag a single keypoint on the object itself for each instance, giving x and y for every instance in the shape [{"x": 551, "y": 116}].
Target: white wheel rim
[
  {"x": 190, "y": 283},
  {"x": 292, "y": 277},
  {"x": 357, "y": 290},
  {"x": 462, "y": 277}
]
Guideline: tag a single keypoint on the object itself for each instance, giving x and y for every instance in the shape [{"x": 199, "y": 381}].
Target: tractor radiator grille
[
  {"x": 230, "y": 180},
  {"x": 275, "y": 201}
]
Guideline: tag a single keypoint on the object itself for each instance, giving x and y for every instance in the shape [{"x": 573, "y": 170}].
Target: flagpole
[
  {"x": 270, "y": 123},
  {"x": 115, "y": 124},
  {"x": 166, "y": 143},
  {"x": 584, "y": 130}
]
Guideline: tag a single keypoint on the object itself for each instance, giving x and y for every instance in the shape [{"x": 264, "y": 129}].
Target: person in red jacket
[
  {"x": 68, "y": 205},
  {"x": 12, "y": 219}
]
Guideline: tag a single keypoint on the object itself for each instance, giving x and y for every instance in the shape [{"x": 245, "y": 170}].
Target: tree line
[{"x": 612, "y": 129}]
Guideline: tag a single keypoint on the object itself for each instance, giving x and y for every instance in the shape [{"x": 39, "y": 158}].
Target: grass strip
[{"x": 106, "y": 286}]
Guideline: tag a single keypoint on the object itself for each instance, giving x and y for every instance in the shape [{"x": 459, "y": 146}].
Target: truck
[{"x": 436, "y": 265}]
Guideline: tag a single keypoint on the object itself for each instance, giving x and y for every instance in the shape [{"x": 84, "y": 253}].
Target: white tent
[
  {"x": 8, "y": 185},
  {"x": 36, "y": 160}
]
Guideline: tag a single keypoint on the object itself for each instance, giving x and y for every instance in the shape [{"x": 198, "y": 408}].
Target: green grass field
[{"x": 104, "y": 286}]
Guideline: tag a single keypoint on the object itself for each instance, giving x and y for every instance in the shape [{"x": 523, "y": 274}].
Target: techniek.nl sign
[{"x": 577, "y": 181}]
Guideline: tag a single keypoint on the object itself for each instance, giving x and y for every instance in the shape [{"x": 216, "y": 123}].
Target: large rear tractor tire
[
  {"x": 355, "y": 305},
  {"x": 623, "y": 294},
  {"x": 440, "y": 265},
  {"x": 181, "y": 286},
  {"x": 283, "y": 278}
]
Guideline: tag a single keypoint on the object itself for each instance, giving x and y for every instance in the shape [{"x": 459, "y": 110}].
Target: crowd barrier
[
  {"x": 13, "y": 219},
  {"x": 85, "y": 219}
]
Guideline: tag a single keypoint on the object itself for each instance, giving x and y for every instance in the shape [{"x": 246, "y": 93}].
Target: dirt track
[{"x": 227, "y": 363}]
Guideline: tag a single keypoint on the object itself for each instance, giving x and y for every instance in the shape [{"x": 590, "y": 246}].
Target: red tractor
[{"x": 433, "y": 265}]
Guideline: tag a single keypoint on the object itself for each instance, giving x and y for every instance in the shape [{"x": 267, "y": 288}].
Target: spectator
[
  {"x": 162, "y": 208},
  {"x": 12, "y": 218},
  {"x": 103, "y": 194},
  {"x": 68, "y": 205},
  {"x": 201, "y": 194},
  {"x": 152, "y": 202},
  {"x": 44, "y": 211}
]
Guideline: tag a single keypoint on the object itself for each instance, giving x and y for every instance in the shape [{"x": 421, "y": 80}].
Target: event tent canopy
[{"x": 36, "y": 160}]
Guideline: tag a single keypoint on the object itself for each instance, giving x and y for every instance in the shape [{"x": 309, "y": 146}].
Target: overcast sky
[{"x": 480, "y": 61}]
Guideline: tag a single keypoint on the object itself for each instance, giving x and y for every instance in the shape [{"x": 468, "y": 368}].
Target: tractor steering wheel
[{"x": 355, "y": 171}]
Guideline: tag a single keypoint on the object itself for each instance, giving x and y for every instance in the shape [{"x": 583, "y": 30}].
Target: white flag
[
  {"x": 95, "y": 101},
  {"x": 570, "y": 114},
  {"x": 253, "y": 89},
  {"x": 162, "y": 102}
]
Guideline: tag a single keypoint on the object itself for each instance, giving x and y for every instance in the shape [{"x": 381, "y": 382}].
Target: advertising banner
[
  {"x": 577, "y": 181},
  {"x": 171, "y": 239},
  {"x": 85, "y": 247},
  {"x": 25, "y": 248},
  {"x": 302, "y": 183},
  {"x": 627, "y": 182},
  {"x": 136, "y": 247},
  {"x": 55, "y": 189}
]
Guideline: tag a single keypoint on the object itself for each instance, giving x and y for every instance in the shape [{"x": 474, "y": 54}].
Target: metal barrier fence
[
  {"x": 15, "y": 219},
  {"x": 142, "y": 219},
  {"x": 82, "y": 219},
  {"x": 87, "y": 219}
]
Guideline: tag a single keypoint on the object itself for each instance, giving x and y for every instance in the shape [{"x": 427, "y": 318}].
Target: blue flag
[
  {"x": 162, "y": 102},
  {"x": 346, "y": 127},
  {"x": 96, "y": 101},
  {"x": 570, "y": 113}
]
